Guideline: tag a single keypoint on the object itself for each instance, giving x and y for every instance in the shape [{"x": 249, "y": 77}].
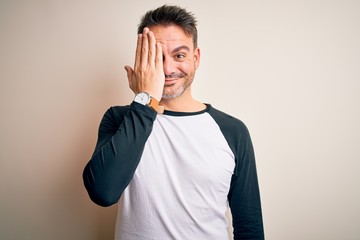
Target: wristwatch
[{"x": 145, "y": 99}]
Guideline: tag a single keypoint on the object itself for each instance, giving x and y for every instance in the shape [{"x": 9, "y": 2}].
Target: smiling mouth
[
  {"x": 170, "y": 82},
  {"x": 172, "y": 78}
]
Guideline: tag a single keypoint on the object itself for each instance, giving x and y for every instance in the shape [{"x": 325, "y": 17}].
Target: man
[{"x": 172, "y": 163}]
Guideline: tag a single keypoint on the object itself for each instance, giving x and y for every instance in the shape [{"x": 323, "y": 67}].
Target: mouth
[
  {"x": 173, "y": 78},
  {"x": 170, "y": 81}
]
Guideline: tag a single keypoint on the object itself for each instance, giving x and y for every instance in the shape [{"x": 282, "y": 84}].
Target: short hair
[{"x": 168, "y": 15}]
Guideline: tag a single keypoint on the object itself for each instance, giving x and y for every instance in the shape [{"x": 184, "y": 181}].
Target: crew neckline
[{"x": 179, "y": 114}]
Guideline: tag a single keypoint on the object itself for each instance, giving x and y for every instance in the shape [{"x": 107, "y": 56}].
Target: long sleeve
[
  {"x": 122, "y": 135},
  {"x": 244, "y": 194}
]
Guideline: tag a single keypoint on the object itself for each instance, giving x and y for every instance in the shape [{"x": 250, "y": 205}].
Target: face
[{"x": 180, "y": 60}]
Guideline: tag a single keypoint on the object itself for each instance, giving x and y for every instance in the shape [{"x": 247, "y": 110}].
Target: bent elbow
[
  {"x": 99, "y": 195},
  {"x": 103, "y": 201}
]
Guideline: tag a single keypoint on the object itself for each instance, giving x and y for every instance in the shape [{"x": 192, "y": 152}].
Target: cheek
[{"x": 186, "y": 67}]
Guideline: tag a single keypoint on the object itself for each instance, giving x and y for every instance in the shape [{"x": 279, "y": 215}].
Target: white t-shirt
[{"x": 180, "y": 187}]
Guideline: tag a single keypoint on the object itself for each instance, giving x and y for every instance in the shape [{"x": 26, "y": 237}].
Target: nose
[{"x": 169, "y": 66}]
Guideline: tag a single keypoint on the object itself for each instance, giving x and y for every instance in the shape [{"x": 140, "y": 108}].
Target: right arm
[
  {"x": 122, "y": 135},
  {"x": 124, "y": 130}
]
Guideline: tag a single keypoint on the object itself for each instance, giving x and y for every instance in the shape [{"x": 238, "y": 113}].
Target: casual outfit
[{"x": 175, "y": 174}]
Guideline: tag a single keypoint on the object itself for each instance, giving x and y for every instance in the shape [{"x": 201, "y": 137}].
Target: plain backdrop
[{"x": 289, "y": 69}]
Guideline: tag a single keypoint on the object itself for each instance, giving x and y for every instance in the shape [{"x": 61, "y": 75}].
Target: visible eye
[{"x": 180, "y": 55}]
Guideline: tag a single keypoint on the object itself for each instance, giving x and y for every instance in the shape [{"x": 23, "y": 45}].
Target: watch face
[{"x": 142, "y": 98}]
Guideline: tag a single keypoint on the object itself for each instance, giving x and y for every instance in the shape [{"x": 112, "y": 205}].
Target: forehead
[{"x": 171, "y": 36}]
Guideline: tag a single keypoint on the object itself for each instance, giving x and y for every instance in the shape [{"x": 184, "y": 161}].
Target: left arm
[{"x": 244, "y": 194}]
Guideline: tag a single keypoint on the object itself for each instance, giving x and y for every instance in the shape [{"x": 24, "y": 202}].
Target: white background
[{"x": 289, "y": 69}]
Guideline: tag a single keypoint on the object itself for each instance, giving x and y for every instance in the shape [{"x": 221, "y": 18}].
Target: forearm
[
  {"x": 244, "y": 198},
  {"x": 117, "y": 154},
  {"x": 247, "y": 217}
]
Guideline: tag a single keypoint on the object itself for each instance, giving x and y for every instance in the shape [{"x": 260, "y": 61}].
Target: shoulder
[
  {"x": 228, "y": 123},
  {"x": 233, "y": 129}
]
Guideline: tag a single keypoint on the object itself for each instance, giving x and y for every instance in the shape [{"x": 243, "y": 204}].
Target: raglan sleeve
[
  {"x": 122, "y": 135},
  {"x": 244, "y": 194}
]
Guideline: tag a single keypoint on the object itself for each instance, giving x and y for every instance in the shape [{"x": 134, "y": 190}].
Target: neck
[{"x": 183, "y": 103}]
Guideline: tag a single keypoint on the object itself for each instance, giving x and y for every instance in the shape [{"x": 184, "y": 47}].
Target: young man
[{"x": 173, "y": 164}]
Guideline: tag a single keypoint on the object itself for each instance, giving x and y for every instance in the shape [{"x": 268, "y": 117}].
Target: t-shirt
[{"x": 174, "y": 174}]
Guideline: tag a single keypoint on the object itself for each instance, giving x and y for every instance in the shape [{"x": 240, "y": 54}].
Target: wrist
[{"x": 145, "y": 99}]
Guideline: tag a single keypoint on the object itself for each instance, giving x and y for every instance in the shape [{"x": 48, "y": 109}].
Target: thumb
[
  {"x": 129, "y": 71},
  {"x": 130, "y": 76}
]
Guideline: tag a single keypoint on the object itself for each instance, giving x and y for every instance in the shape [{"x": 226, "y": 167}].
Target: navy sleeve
[
  {"x": 244, "y": 194},
  {"x": 122, "y": 136}
]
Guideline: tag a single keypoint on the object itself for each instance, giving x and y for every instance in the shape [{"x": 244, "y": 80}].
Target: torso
[{"x": 179, "y": 190}]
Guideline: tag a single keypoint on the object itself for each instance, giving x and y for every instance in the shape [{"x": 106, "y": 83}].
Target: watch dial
[{"x": 142, "y": 98}]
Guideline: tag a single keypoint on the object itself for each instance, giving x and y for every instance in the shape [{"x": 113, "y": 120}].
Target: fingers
[
  {"x": 152, "y": 48},
  {"x": 138, "y": 51},
  {"x": 147, "y": 74},
  {"x": 159, "y": 56},
  {"x": 145, "y": 48}
]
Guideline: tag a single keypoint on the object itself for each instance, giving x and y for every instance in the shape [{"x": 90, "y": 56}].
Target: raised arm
[
  {"x": 124, "y": 130},
  {"x": 122, "y": 136}
]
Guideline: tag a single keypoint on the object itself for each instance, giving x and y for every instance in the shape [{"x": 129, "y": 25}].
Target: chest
[{"x": 187, "y": 154}]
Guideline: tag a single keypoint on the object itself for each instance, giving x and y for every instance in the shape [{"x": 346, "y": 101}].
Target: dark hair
[{"x": 167, "y": 15}]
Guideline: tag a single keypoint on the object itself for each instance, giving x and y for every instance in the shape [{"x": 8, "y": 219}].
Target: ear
[{"x": 197, "y": 57}]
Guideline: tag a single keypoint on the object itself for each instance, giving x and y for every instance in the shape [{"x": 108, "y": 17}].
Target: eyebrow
[{"x": 183, "y": 47}]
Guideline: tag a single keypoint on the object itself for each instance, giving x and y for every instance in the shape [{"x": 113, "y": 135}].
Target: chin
[{"x": 173, "y": 93}]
